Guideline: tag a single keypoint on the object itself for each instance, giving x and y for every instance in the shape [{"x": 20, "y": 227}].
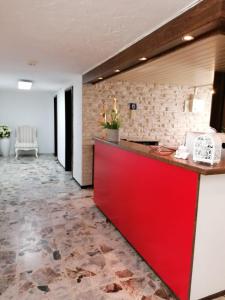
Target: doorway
[
  {"x": 69, "y": 129},
  {"x": 55, "y": 128},
  {"x": 217, "y": 119}
]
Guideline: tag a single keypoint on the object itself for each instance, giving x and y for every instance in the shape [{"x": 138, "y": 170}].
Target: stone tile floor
[{"x": 55, "y": 244}]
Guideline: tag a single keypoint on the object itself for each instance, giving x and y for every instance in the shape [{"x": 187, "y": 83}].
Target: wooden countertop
[{"x": 148, "y": 151}]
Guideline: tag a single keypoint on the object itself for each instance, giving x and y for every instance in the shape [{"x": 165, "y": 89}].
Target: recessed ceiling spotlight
[
  {"x": 187, "y": 38},
  {"x": 117, "y": 71},
  {"x": 24, "y": 84},
  {"x": 143, "y": 58},
  {"x": 100, "y": 78}
]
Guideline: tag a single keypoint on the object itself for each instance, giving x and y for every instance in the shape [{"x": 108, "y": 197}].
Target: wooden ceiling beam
[{"x": 205, "y": 19}]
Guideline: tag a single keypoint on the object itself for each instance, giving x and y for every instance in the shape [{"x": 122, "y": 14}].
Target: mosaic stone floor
[{"x": 55, "y": 244}]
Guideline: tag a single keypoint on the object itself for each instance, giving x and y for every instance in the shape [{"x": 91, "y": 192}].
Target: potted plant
[
  {"x": 5, "y": 132},
  {"x": 111, "y": 122}
]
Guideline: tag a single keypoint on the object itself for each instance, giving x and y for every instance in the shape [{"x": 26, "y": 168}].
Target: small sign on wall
[
  {"x": 133, "y": 106},
  {"x": 132, "y": 109}
]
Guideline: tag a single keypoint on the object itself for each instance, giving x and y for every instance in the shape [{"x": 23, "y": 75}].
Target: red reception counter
[{"x": 171, "y": 211}]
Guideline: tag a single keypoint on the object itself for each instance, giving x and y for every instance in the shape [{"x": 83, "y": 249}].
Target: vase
[
  {"x": 5, "y": 146},
  {"x": 112, "y": 135}
]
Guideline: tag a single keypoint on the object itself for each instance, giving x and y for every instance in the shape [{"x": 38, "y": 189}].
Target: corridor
[{"x": 55, "y": 244}]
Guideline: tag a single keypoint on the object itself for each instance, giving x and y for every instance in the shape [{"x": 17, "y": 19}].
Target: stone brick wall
[{"x": 160, "y": 114}]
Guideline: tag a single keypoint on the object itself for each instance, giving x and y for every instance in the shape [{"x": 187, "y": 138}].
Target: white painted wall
[
  {"x": 61, "y": 126},
  {"x": 77, "y": 130},
  {"x": 34, "y": 108},
  {"x": 77, "y": 127},
  {"x": 208, "y": 274}
]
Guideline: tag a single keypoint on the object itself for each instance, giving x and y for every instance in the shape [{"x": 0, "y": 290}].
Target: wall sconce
[
  {"x": 194, "y": 104},
  {"x": 198, "y": 105}
]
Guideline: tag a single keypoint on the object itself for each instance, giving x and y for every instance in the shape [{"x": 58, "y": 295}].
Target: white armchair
[{"x": 26, "y": 139}]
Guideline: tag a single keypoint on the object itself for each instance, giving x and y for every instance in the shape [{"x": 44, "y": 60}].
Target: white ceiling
[{"x": 68, "y": 37}]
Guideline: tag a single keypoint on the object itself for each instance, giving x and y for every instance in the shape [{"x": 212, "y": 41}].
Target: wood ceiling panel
[
  {"x": 203, "y": 20},
  {"x": 193, "y": 65}
]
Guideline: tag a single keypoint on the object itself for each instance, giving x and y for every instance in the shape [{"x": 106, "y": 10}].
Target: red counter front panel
[{"x": 153, "y": 204}]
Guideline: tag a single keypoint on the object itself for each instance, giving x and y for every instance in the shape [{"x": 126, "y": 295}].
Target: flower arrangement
[
  {"x": 110, "y": 120},
  {"x": 4, "y": 131}
]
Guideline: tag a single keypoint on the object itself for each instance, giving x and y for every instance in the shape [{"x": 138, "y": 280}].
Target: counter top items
[
  {"x": 189, "y": 140},
  {"x": 207, "y": 148},
  {"x": 162, "y": 150},
  {"x": 182, "y": 152},
  {"x": 143, "y": 142},
  {"x": 152, "y": 152}
]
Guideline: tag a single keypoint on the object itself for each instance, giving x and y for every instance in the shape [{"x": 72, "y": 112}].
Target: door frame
[
  {"x": 55, "y": 127},
  {"x": 217, "y": 117},
  {"x": 69, "y": 129}
]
